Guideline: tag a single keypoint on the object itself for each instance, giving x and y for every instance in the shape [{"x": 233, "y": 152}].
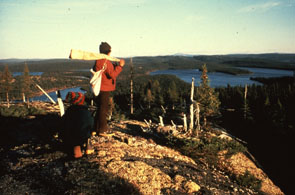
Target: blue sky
[{"x": 50, "y": 28}]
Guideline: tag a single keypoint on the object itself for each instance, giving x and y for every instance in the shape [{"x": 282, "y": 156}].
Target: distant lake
[
  {"x": 218, "y": 79},
  {"x": 53, "y": 95},
  {"x": 31, "y": 73}
]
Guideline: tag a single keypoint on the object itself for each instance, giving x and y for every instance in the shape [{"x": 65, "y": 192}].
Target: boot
[
  {"x": 77, "y": 152},
  {"x": 89, "y": 148}
]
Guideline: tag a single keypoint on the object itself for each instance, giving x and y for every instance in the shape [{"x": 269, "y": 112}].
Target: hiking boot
[
  {"x": 106, "y": 134},
  {"x": 77, "y": 152},
  {"x": 89, "y": 148}
]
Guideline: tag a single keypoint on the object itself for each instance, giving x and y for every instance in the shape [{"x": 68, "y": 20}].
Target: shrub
[
  {"x": 20, "y": 111},
  {"x": 208, "y": 147},
  {"x": 249, "y": 180}
]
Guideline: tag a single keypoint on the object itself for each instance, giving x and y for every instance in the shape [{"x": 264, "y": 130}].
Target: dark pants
[{"x": 102, "y": 103}]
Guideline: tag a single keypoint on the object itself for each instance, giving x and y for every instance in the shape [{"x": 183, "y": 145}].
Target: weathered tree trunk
[
  {"x": 245, "y": 102},
  {"x": 173, "y": 125},
  {"x": 161, "y": 121},
  {"x": 198, "y": 127},
  {"x": 60, "y": 103},
  {"x": 24, "y": 98},
  {"x": 184, "y": 122},
  {"x": 164, "y": 110},
  {"x": 131, "y": 86},
  {"x": 191, "y": 126},
  {"x": 7, "y": 99},
  {"x": 45, "y": 93}
]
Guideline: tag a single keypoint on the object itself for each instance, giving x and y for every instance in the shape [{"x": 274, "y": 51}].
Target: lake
[
  {"x": 218, "y": 79},
  {"x": 14, "y": 74}
]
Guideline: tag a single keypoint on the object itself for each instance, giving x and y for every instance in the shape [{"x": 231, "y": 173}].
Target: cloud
[{"x": 259, "y": 7}]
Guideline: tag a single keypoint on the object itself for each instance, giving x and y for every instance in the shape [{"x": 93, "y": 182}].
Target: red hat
[{"x": 76, "y": 98}]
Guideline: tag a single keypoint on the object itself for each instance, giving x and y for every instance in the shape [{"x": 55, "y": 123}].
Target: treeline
[
  {"x": 265, "y": 120},
  {"x": 153, "y": 96},
  {"x": 166, "y": 96},
  {"x": 269, "y": 107},
  {"x": 50, "y": 65},
  {"x": 143, "y": 65},
  {"x": 18, "y": 87}
]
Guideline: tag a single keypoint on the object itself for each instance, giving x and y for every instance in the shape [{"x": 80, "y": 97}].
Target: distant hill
[
  {"x": 283, "y": 57},
  {"x": 145, "y": 64}
]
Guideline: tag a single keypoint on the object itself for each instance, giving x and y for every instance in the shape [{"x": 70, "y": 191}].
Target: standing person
[{"x": 108, "y": 84}]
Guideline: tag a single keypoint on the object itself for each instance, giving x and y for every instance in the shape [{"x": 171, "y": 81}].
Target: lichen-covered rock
[
  {"x": 191, "y": 187},
  {"x": 239, "y": 164}
]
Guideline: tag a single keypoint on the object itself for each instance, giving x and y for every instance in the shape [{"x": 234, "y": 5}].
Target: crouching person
[{"x": 77, "y": 125}]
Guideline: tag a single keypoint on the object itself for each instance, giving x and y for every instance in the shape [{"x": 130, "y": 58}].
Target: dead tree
[
  {"x": 131, "y": 86},
  {"x": 198, "y": 127},
  {"x": 60, "y": 103},
  {"x": 161, "y": 121},
  {"x": 24, "y": 98},
  {"x": 245, "y": 102},
  {"x": 191, "y": 126},
  {"x": 38, "y": 86},
  {"x": 184, "y": 122}
]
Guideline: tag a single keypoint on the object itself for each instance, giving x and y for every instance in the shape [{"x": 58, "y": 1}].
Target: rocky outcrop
[{"x": 133, "y": 161}]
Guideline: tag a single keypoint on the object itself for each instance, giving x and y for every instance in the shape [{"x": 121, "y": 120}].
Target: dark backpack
[{"x": 77, "y": 125}]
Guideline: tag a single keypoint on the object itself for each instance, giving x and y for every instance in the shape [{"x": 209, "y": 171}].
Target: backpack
[
  {"x": 77, "y": 125},
  {"x": 95, "y": 81}
]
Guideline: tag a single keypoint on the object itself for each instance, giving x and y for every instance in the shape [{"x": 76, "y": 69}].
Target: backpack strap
[{"x": 104, "y": 65}]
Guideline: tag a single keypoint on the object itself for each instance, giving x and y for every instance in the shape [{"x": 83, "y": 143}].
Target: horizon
[
  {"x": 49, "y": 29},
  {"x": 177, "y": 54}
]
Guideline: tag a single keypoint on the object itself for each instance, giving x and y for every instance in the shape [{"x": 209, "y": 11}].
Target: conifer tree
[
  {"x": 157, "y": 91},
  {"x": 278, "y": 114},
  {"x": 207, "y": 97},
  {"x": 131, "y": 86},
  {"x": 173, "y": 95},
  {"x": 6, "y": 83},
  {"x": 148, "y": 97}
]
